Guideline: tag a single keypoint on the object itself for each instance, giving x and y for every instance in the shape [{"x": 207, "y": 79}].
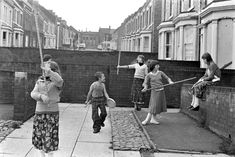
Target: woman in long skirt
[{"x": 157, "y": 103}]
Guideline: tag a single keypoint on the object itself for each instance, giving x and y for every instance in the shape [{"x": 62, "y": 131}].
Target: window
[
  {"x": 150, "y": 15},
  {"x": 18, "y": 17},
  {"x": 143, "y": 20},
  {"x": 171, "y": 8},
  {"x": 17, "y": 36},
  {"x": 146, "y": 44},
  {"x": 189, "y": 49},
  {"x": 168, "y": 48},
  {"x": 5, "y": 13},
  {"x": 146, "y": 18},
  {"x": 141, "y": 17},
  {"x": 10, "y": 14},
  {"x": 190, "y": 5},
  {"x": 4, "y": 35},
  {"x": 14, "y": 15}
]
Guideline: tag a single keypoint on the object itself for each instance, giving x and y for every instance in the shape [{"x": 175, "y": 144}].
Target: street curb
[{"x": 145, "y": 132}]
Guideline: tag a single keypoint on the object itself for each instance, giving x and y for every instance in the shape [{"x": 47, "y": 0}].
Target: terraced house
[
  {"x": 18, "y": 28},
  {"x": 6, "y": 25},
  {"x": 137, "y": 32},
  {"x": 191, "y": 27}
]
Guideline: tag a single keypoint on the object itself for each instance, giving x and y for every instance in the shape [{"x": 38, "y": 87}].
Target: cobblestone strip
[
  {"x": 126, "y": 132},
  {"x": 6, "y": 127}
]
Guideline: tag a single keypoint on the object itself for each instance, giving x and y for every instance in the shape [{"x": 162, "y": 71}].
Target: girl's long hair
[{"x": 55, "y": 67}]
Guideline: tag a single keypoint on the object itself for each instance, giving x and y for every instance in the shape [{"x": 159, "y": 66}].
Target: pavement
[{"x": 76, "y": 138}]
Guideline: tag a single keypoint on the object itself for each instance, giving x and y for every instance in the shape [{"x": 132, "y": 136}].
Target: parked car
[{"x": 82, "y": 46}]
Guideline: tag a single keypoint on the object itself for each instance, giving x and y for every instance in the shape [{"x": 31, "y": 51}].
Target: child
[
  {"x": 157, "y": 103},
  {"x": 46, "y": 120},
  {"x": 141, "y": 70},
  {"x": 98, "y": 95},
  {"x": 47, "y": 58},
  {"x": 211, "y": 75}
]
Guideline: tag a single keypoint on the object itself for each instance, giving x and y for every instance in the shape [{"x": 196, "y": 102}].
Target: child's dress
[{"x": 157, "y": 103}]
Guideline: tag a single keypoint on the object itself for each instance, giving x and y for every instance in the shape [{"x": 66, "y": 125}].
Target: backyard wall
[{"x": 78, "y": 68}]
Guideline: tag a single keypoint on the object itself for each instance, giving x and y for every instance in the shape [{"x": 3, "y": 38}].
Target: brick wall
[
  {"x": 78, "y": 68},
  {"x": 6, "y": 87},
  {"x": 217, "y": 112}
]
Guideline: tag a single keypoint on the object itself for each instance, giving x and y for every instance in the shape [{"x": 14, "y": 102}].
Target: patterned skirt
[
  {"x": 46, "y": 131},
  {"x": 157, "y": 103},
  {"x": 199, "y": 89},
  {"x": 136, "y": 95}
]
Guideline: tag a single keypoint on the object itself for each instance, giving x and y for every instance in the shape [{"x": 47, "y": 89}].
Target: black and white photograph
[{"x": 117, "y": 78}]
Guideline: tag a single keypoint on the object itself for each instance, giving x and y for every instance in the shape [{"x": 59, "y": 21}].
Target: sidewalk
[{"x": 76, "y": 138}]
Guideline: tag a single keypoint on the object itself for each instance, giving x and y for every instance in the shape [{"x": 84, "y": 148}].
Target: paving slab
[
  {"x": 15, "y": 147},
  {"x": 171, "y": 155},
  {"x": 87, "y": 135},
  {"x": 85, "y": 149},
  {"x": 213, "y": 155},
  {"x": 63, "y": 152},
  {"x": 126, "y": 154}
]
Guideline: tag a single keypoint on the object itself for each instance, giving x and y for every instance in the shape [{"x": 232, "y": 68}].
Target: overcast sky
[{"x": 92, "y": 14}]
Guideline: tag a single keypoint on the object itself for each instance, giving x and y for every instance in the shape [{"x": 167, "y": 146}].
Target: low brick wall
[{"x": 217, "y": 112}]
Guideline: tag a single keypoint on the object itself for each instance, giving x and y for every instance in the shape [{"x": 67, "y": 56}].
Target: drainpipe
[{"x": 58, "y": 35}]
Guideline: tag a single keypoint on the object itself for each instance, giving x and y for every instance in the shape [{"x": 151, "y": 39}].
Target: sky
[{"x": 89, "y": 15}]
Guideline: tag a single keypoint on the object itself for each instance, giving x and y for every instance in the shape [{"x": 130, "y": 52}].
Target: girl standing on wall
[
  {"x": 141, "y": 70},
  {"x": 46, "y": 120},
  {"x": 157, "y": 103}
]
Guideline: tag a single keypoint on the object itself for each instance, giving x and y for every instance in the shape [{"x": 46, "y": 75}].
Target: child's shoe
[
  {"x": 96, "y": 131},
  {"x": 102, "y": 124},
  {"x": 145, "y": 122},
  {"x": 154, "y": 122}
]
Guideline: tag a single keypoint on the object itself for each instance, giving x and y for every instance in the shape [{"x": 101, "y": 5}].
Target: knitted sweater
[
  {"x": 51, "y": 88},
  {"x": 211, "y": 71},
  {"x": 140, "y": 71}
]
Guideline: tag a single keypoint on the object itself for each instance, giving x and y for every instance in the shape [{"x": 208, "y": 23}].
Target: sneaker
[
  {"x": 138, "y": 108},
  {"x": 144, "y": 122},
  {"x": 102, "y": 124},
  {"x": 154, "y": 122},
  {"x": 96, "y": 131},
  {"x": 189, "y": 107},
  {"x": 195, "y": 108}
]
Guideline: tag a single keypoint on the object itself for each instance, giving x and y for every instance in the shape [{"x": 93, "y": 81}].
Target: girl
[
  {"x": 141, "y": 71},
  {"x": 211, "y": 75},
  {"x": 46, "y": 120},
  {"x": 157, "y": 103}
]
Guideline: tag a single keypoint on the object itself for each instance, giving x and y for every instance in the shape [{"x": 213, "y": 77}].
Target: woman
[
  {"x": 46, "y": 120},
  {"x": 141, "y": 70},
  {"x": 157, "y": 103},
  {"x": 211, "y": 75}
]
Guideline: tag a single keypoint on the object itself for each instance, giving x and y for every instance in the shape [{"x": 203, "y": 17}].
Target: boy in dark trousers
[{"x": 98, "y": 95}]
